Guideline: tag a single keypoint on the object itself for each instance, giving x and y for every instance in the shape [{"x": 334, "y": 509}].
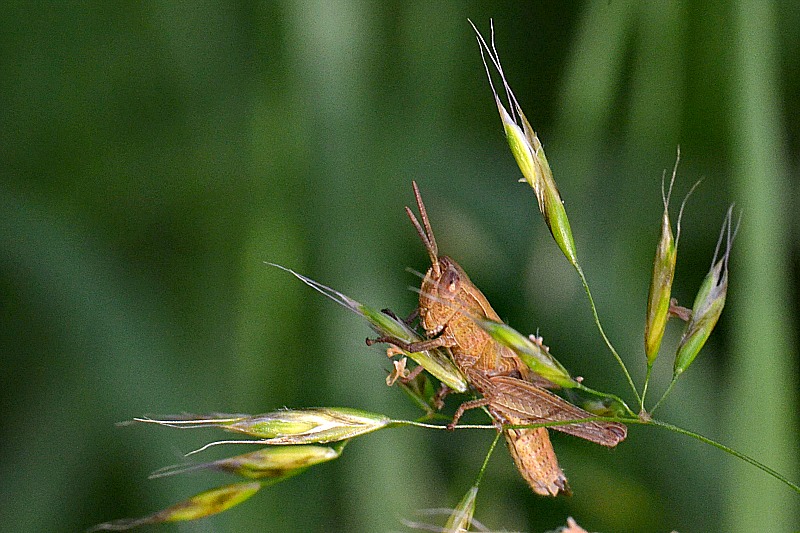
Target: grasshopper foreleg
[{"x": 421, "y": 346}]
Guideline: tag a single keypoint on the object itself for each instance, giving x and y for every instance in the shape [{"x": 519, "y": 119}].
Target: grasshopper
[{"x": 511, "y": 393}]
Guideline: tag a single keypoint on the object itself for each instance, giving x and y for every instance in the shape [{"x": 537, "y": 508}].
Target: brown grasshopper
[{"x": 511, "y": 393}]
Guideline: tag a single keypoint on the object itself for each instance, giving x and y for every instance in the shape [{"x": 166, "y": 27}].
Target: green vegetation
[{"x": 155, "y": 155}]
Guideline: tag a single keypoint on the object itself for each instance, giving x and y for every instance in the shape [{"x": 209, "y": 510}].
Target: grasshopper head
[
  {"x": 445, "y": 281},
  {"x": 441, "y": 294}
]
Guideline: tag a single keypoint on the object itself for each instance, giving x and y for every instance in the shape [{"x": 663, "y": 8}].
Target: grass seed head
[
  {"x": 708, "y": 303},
  {"x": 660, "y": 293},
  {"x": 277, "y": 461},
  {"x": 529, "y": 154},
  {"x": 461, "y": 519},
  {"x": 200, "y": 505},
  {"x": 309, "y": 426},
  {"x": 535, "y": 355}
]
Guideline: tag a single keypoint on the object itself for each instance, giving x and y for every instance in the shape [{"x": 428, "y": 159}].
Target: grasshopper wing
[{"x": 528, "y": 402}]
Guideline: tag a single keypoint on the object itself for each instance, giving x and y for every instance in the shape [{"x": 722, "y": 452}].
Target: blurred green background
[{"x": 155, "y": 154}]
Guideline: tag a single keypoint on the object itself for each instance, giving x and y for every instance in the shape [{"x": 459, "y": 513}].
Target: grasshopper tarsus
[{"x": 378, "y": 340}]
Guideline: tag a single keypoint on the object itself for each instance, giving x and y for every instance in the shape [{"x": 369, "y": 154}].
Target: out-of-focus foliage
[{"x": 154, "y": 155}]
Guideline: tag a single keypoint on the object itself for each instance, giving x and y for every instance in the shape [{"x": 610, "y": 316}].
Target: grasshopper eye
[{"x": 451, "y": 280}]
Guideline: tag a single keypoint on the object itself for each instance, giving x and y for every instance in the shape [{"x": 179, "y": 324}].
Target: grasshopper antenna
[{"x": 424, "y": 230}]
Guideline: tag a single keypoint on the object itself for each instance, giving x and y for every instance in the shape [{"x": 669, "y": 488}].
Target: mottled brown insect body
[{"x": 448, "y": 301}]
